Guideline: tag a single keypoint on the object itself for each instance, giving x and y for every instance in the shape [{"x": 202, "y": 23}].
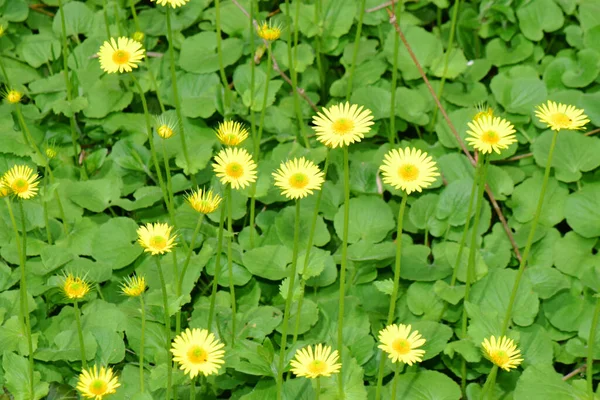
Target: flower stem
[
  {"x": 395, "y": 383},
  {"x": 488, "y": 386},
  {"x": 190, "y": 252},
  {"x": 318, "y": 23},
  {"x": 318, "y": 390},
  {"x": 167, "y": 326},
  {"x": 261, "y": 122},
  {"x": 80, "y": 335},
  {"x": 252, "y": 118},
  {"x": 136, "y": 22},
  {"x": 394, "y": 80},
  {"x": 230, "y": 261},
  {"x": 344, "y": 261},
  {"x": 45, "y": 204},
  {"x": 394, "y": 297},
  {"x": 23, "y": 286},
  {"x": 176, "y": 90},
  {"x": 142, "y": 342},
  {"x": 361, "y": 14},
  {"x": 213, "y": 295},
  {"x": 106, "y": 22},
  {"x": 590, "y": 356},
  {"x": 463, "y": 237},
  {"x": 288, "y": 303},
  {"x": 192, "y": 389},
  {"x": 227, "y": 95}
]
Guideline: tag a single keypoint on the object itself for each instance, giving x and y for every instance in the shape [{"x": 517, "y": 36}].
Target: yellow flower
[
  {"x": 313, "y": 364},
  {"x": 203, "y": 201},
  {"x": 401, "y": 344},
  {"x": 231, "y": 133},
  {"x": 95, "y": 385},
  {"x": 561, "y": 116},
  {"x": 409, "y": 169},
  {"x": 121, "y": 55},
  {"x": 269, "y": 32},
  {"x": 298, "y": 178},
  {"x": 4, "y": 191},
  {"x": 342, "y": 124},
  {"x": 13, "y": 96},
  {"x": 198, "y": 352},
  {"x": 165, "y": 127},
  {"x": 502, "y": 352},
  {"x": 156, "y": 238},
  {"x": 236, "y": 167},
  {"x": 489, "y": 134},
  {"x": 138, "y": 36},
  {"x": 75, "y": 287},
  {"x": 134, "y": 286},
  {"x": 172, "y": 3},
  {"x": 482, "y": 111},
  {"x": 22, "y": 181}
]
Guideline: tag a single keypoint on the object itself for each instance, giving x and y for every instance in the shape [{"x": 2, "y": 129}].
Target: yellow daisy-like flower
[
  {"x": 138, "y": 36},
  {"x": 231, "y": 133},
  {"x": 409, "y": 169},
  {"x": 342, "y": 124},
  {"x": 482, "y": 111},
  {"x": 315, "y": 363},
  {"x": 22, "y": 181},
  {"x": 94, "y": 384},
  {"x": 4, "y": 191},
  {"x": 172, "y": 3},
  {"x": 269, "y": 32},
  {"x": 121, "y": 55},
  {"x": 561, "y": 116},
  {"x": 203, "y": 201},
  {"x": 401, "y": 344},
  {"x": 298, "y": 178},
  {"x": 165, "y": 127},
  {"x": 13, "y": 96},
  {"x": 156, "y": 238},
  {"x": 502, "y": 352},
  {"x": 236, "y": 167},
  {"x": 134, "y": 286},
  {"x": 198, "y": 352},
  {"x": 75, "y": 287},
  {"x": 489, "y": 134}
]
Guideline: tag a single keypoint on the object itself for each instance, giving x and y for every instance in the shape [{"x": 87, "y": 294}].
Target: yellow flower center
[
  {"x": 342, "y": 126},
  {"x": 75, "y": 289},
  {"x": 20, "y": 186},
  {"x": 158, "y": 242},
  {"x": 121, "y": 57},
  {"x": 13, "y": 96},
  {"x": 98, "y": 387},
  {"x": 490, "y": 137},
  {"x": 316, "y": 367},
  {"x": 197, "y": 355},
  {"x": 234, "y": 170},
  {"x": 408, "y": 172},
  {"x": 561, "y": 120},
  {"x": 298, "y": 180},
  {"x": 269, "y": 33},
  {"x": 164, "y": 131},
  {"x": 401, "y": 346},
  {"x": 499, "y": 357}
]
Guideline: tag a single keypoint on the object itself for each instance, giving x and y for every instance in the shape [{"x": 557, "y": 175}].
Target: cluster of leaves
[{"x": 511, "y": 54}]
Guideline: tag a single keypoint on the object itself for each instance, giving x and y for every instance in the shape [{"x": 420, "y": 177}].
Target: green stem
[
  {"x": 106, "y": 22},
  {"x": 392, "y": 138},
  {"x": 192, "y": 389},
  {"x": 344, "y": 262},
  {"x": 230, "y": 262},
  {"x": 80, "y": 335},
  {"x": 288, "y": 303},
  {"x": 24, "y": 303},
  {"x": 396, "y": 378},
  {"x": 142, "y": 342},
  {"x": 318, "y": 22},
  {"x": 213, "y": 295},
  {"x": 136, "y": 22},
  {"x": 176, "y": 90},
  {"x": 361, "y": 14},
  {"x": 264, "y": 105},
  {"x": 45, "y": 204},
  {"x": 167, "y": 326},
  {"x": 529, "y": 243},
  {"x": 589, "y": 372},
  {"x": 170, "y": 196},
  {"x": 488, "y": 387},
  {"x": 318, "y": 390},
  {"x": 4, "y": 74},
  {"x": 227, "y": 93},
  {"x": 117, "y": 17},
  {"x": 252, "y": 117},
  {"x": 394, "y": 297},
  {"x": 190, "y": 252}
]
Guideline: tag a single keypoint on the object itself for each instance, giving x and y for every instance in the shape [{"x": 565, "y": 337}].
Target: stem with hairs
[
  {"x": 229, "y": 195},
  {"x": 165, "y": 298},
  {"x": 227, "y": 93},
  {"x": 142, "y": 342},
  {"x": 215, "y": 286},
  {"x": 80, "y": 334},
  {"x": 589, "y": 372},
  {"x": 361, "y": 14},
  {"x": 394, "y": 79}
]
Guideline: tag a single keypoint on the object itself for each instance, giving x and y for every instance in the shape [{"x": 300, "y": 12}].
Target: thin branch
[
  {"x": 590, "y": 133},
  {"x": 276, "y": 67},
  {"x": 40, "y": 8},
  {"x": 384, "y": 5},
  {"x": 462, "y": 145},
  {"x": 575, "y": 372}
]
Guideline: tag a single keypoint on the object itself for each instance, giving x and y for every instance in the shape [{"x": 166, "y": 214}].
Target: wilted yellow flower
[
  {"x": 4, "y": 191},
  {"x": 502, "y": 352},
  {"x": 203, "y": 201},
  {"x": 198, "y": 352},
  {"x": 561, "y": 116},
  {"x": 95, "y": 385},
  {"x": 138, "y": 36},
  {"x": 269, "y": 32},
  {"x": 409, "y": 169},
  {"x": 22, "y": 181},
  {"x": 488, "y": 134},
  {"x": 121, "y": 55},
  {"x": 165, "y": 127},
  {"x": 342, "y": 124},
  {"x": 134, "y": 286},
  {"x": 236, "y": 167},
  {"x": 172, "y": 3},
  {"x": 75, "y": 287},
  {"x": 231, "y": 133},
  {"x": 298, "y": 178},
  {"x": 401, "y": 344},
  {"x": 156, "y": 238},
  {"x": 313, "y": 364}
]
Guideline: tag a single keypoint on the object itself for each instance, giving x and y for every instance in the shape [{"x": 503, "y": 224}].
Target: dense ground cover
[{"x": 260, "y": 269}]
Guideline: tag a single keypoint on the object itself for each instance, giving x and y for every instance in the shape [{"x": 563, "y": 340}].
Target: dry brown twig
[{"x": 575, "y": 372}]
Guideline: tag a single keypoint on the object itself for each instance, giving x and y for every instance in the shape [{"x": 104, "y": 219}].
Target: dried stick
[{"x": 575, "y": 372}]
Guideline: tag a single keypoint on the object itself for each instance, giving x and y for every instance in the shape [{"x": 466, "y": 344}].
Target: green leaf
[
  {"x": 284, "y": 224},
  {"x": 78, "y": 19},
  {"x": 519, "y": 90},
  {"x": 376, "y": 99},
  {"x": 582, "y": 212},
  {"x": 453, "y": 202},
  {"x": 456, "y": 65},
  {"x": 573, "y": 251},
  {"x": 14, "y": 11},
  {"x": 94, "y": 195},
  {"x": 425, "y": 385},
  {"x": 16, "y": 377},
  {"x": 370, "y": 220},
  {"x": 39, "y": 49},
  {"x": 543, "y": 383},
  {"x": 199, "y": 52},
  {"x": 422, "y": 304},
  {"x": 426, "y": 46},
  {"x": 498, "y": 53},
  {"x": 525, "y": 198},
  {"x": 538, "y": 16},
  {"x": 114, "y": 243},
  {"x": 436, "y": 334},
  {"x": 412, "y": 106},
  {"x": 242, "y": 81},
  {"x": 198, "y": 94},
  {"x": 269, "y": 262},
  {"x": 547, "y": 281}
]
